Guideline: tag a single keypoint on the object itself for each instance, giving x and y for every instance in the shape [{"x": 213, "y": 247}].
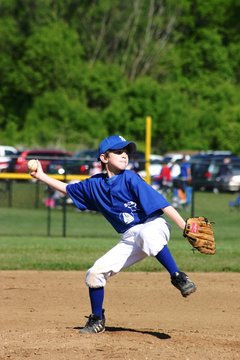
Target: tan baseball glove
[{"x": 199, "y": 232}]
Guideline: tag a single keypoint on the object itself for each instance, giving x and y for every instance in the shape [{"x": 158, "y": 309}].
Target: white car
[
  {"x": 6, "y": 154},
  {"x": 154, "y": 167}
]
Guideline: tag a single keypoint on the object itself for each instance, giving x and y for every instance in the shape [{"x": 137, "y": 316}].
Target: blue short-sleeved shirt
[
  {"x": 184, "y": 170},
  {"x": 125, "y": 200}
]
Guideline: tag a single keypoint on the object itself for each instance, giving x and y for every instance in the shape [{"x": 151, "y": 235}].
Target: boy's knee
[{"x": 94, "y": 279}]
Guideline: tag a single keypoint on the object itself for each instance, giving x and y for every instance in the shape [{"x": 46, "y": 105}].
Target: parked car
[
  {"x": 206, "y": 167},
  {"x": 79, "y": 163},
  {"x": 7, "y": 153},
  {"x": 155, "y": 166},
  {"x": 230, "y": 181},
  {"x": 19, "y": 165},
  {"x": 83, "y": 161}
]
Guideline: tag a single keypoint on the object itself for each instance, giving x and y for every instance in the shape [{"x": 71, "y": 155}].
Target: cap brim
[{"x": 131, "y": 146}]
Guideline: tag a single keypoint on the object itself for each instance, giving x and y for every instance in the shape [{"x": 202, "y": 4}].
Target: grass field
[{"x": 24, "y": 243}]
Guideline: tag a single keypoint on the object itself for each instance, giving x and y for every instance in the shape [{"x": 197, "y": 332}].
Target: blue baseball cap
[{"x": 115, "y": 142}]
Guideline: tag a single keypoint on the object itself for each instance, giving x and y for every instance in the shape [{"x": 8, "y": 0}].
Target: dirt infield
[{"x": 41, "y": 313}]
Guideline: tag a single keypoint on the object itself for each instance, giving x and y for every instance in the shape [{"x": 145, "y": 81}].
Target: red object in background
[
  {"x": 44, "y": 155},
  {"x": 165, "y": 174}
]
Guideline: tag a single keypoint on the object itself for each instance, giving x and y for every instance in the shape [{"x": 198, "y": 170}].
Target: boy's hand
[{"x": 35, "y": 168}]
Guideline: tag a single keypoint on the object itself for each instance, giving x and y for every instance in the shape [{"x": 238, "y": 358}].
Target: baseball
[{"x": 32, "y": 165}]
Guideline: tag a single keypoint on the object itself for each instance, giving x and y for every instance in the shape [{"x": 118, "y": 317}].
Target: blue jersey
[
  {"x": 125, "y": 200},
  {"x": 185, "y": 170}
]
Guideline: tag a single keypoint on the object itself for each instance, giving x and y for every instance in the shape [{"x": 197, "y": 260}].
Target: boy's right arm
[{"x": 39, "y": 174}]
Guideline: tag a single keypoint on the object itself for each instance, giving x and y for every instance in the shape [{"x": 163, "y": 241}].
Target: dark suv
[{"x": 206, "y": 168}]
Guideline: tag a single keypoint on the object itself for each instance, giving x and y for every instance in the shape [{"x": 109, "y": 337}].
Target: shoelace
[{"x": 181, "y": 279}]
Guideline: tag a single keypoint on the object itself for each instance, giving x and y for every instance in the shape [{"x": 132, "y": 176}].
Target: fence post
[
  {"x": 37, "y": 195},
  {"x": 148, "y": 148},
  {"x": 64, "y": 209},
  {"x": 193, "y": 202},
  {"x": 9, "y": 190},
  {"x": 64, "y": 216},
  {"x": 49, "y": 221}
]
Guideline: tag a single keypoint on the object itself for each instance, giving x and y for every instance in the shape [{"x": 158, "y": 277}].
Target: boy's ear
[{"x": 103, "y": 158}]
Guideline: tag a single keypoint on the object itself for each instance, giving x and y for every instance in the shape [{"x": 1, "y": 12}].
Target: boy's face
[{"x": 116, "y": 160}]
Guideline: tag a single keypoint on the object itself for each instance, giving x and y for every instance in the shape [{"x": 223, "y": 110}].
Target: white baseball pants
[{"x": 135, "y": 244}]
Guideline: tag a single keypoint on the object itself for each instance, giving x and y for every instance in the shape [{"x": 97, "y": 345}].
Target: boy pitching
[{"x": 135, "y": 210}]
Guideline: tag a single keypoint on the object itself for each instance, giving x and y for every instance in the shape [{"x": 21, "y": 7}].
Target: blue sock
[
  {"x": 96, "y": 298},
  {"x": 165, "y": 258}
]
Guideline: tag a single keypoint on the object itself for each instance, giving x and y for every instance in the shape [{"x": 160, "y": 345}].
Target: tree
[
  {"x": 108, "y": 64},
  {"x": 60, "y": 120},
  {"x": 131, "y": 34}
]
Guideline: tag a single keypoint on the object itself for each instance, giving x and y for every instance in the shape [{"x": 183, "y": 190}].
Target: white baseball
[{"x": 32, "y": 165}]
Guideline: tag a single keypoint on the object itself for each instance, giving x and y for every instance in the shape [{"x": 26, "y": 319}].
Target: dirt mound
[{"x": 147, "y": 318}]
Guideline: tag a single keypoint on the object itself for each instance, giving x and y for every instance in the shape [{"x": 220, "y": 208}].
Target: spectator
[
  {"x": 225, "y": 168},
  {"x": 53, "y": 199},
  {"x": 186, "y": 179},
  {"x": 164, "y": 179}
]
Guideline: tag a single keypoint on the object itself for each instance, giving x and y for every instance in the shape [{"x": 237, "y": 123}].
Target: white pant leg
[
  {"x": 138, "y": 242},
  {"x": 123, "y": 255},
  {"x": 153, "y": 235}
]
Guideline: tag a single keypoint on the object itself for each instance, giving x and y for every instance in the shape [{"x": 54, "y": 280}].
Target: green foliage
[
  {"x": 63, "y": 120},
  {"x": 73, "y": 72},
  {"x": 101, "y": 84},
  {"x": 52, "y": 59}
]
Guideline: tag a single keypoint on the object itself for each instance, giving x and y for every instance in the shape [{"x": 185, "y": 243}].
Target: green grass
[{"x": 24, "y": 243}]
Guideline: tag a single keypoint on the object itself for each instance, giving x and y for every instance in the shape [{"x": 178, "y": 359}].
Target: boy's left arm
[{"x": 174, "y": 215}]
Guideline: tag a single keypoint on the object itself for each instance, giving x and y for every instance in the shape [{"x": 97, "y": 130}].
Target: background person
[
  {"x": 225, "y": 169},
  {"x": 54, "y": 198},
  {"x": 186, "y": 179},
  {"x": 163, "y": 180}
]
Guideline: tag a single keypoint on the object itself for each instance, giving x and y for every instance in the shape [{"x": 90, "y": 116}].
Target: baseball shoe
[
  {"x": 182, "y": 282},
  {"x": 94, "y": 325}
]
